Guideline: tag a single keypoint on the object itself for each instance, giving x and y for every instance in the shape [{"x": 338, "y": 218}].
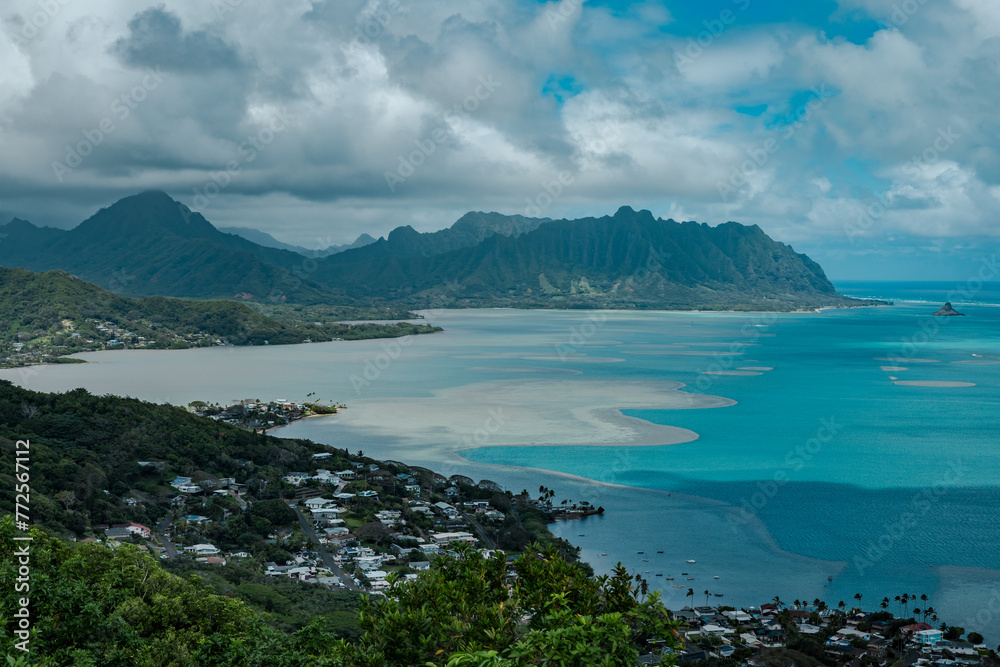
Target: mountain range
[
  {"x": 149, "y": 244},
  {"x": 268, "y": 241}
]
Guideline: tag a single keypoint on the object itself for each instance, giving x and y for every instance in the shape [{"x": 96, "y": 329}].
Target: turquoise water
[
  {"x": 836, "y": 460},
  {"x": 824, "y": 479}
]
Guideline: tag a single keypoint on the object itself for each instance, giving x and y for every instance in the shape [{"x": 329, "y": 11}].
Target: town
[{"x": 347, "y": 522}]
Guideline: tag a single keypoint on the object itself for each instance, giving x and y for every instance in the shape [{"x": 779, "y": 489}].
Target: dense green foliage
[{"x": 91, "y": 605}]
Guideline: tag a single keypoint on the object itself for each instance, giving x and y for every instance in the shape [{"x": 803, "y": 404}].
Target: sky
[{"x": 861, "y": 132}]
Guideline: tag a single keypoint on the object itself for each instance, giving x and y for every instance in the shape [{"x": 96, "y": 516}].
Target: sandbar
[{"x": 933, "y": 383}]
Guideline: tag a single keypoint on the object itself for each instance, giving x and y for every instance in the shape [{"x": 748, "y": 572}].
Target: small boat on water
[
  {"x": 659, "y": 574},
  {"x": 678, "y": 586},
  {"x": 660, "y": 551},
  {"x": 716, "y": 577},
  {"x": 718, "y": 595},
  {"x": 670, "y": 578},
  {"x": 691, "y": 560},
  {"x": 604, "y": 554},
  {"x": 641, "y": 552},
  {"x": 684, "y": 574},
  {"x": 690, "y": 578}
]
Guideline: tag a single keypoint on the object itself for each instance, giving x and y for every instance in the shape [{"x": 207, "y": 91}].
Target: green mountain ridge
[{"x": 150, "y": 244}]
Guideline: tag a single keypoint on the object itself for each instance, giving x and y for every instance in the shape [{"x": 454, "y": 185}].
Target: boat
[
  {"x": 678, "y": 586},
  {"x": 718, "y": 595},
  {"x": 690, "y": 578},
  {"x": 604, "y": 554},
  {"x": 645, "y": 560},
  {"x": 691, "y": 560},
  {"x": 684, "y": 574},
  {"x": 641, "y": 552},
  {"x": 659, "y": 574},
  {"x": 716, "y": 577},
  {"x": 660, "y": 551},
  {"x": 670, "y": 578}
]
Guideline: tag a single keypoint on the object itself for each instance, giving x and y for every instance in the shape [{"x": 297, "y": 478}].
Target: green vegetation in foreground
[
  {"x": 47, "y": 315},
  {"x": 91, "y": 605}
]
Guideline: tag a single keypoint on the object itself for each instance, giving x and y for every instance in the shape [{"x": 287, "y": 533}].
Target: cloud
[
  {"x": 155, "y": 39},
  {"x": 591, "y": 92}
]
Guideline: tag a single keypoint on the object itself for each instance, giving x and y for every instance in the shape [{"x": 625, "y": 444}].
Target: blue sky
[{"x": 861, "y": 132}]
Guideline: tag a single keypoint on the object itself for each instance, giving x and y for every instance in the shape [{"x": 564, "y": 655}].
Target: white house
[
  {"x": 189, "y": 488},
  {"x": 296, "y": 478},
  {"x": 317, "y": 503},
  {"x": 345, "y": 474},
  {"x": 448, "y": 538},
  {"x": 203, "y": 549}
]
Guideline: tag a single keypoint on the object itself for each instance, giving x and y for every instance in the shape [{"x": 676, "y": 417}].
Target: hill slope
[{"x": 54, "y": 313}]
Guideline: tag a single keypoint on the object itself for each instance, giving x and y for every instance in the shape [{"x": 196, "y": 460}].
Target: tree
[
  {"x": 975, "y": 638},
  {"x": 857, "y": 596},
  {"x": 463, "y": 612},
  {"x": 373, "y": 531},
  {"x": 954, "y": 632}
]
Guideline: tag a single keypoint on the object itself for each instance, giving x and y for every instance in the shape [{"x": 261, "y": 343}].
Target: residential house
[{"x": 203, "y": 549}]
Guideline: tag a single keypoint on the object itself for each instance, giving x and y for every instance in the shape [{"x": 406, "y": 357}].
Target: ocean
[{"x": 811, "y": 455}]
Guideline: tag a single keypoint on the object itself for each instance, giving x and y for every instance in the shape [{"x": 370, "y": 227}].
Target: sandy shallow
[
  {"x": 893, "y": 368},
  {"x": 524, "y": 412},
  {"x": 755, "y": 368},
  {"x": 739, "y": 372},
  {"x": 899, "y": 360},
  {"x": 933, "y": 383},
  {"x": 978, "y": 362}
]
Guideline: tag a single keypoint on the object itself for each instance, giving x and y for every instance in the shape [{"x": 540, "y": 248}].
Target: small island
[{"x": 947, "y": 311}]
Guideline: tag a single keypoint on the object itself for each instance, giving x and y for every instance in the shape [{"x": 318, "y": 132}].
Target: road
[
  {"x": 162, "y": 528},
  {"x": 345, "y": 578},
  {"x": 487, "y": 541}
]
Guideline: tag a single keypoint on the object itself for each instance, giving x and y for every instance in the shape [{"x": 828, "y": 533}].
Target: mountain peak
[{"x": 152, "y": 211}]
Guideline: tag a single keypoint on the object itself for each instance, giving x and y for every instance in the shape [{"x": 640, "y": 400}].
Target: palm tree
[
  {"x": 916, "y": 610},
  {"x": 899, "y": 602},
  {"x": 796, "y": 603},
  {"x": 857, "y": 596},
  {"x": 816, "y": 603},
  {"x": 906, "y": 603},
  {"x": 706, "y": 597},
  {"x": 841, "y": 604},
  {"x": 885, "y": 603},
  {"x": 691, "y": 593},
  {"x": 777, "y": 601}
]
